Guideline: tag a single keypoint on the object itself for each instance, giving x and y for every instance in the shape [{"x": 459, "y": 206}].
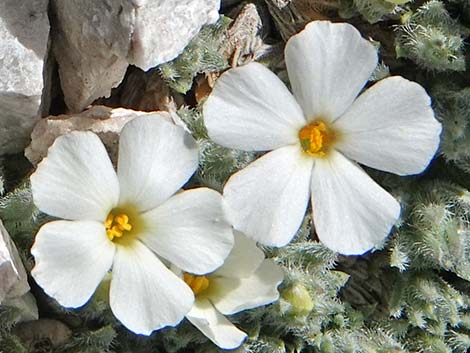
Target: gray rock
[
  {"x": 94, "y": 41},
  {"x": 14, "y": 287},
  {"x": 164, "y": 27},
  {"x": 91, "y": 40},
  {"x": 13, "y": 278},
  {"x": 24, "y": 36}
]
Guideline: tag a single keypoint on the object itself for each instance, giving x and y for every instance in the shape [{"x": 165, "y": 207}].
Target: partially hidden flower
[
  {"x": 246, "y": 280},
  {"x": 132, "y": 221},
  {"x": 317, "y": 134}
]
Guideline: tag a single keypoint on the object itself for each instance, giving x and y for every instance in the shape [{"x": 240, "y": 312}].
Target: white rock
[
  {"x": 163, "y": 28},
  {"x": 13, "y": 278},
  {"x": 24, "y": 35},
  {"x": 94, "y": 41},
  {"x": 106, "y": 122}
]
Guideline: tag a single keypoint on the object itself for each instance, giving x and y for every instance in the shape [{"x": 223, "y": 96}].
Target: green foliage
[
  {"x": 462, "y": 8},
  {"x": 202, "y": 55},
  {"x": 371, "y": 10},
  {"x": 11, "y": 344},
  {"x": 432, "y": 38},
  {"x": 452, "y": 106},
  {"x": 9, "y": 317},
  {"x": 21, "y": 217},
  {"x": 180, "y": 339},
  {"x": 411, "y": 281},
  {"x": 96, "y": 341}
]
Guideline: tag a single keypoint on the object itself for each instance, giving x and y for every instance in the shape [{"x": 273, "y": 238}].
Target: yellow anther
[
  {"x": 197, "y": 283},
  {"x": 123, "y": 221},
  {"x": 315, "y": 138},
  {"x": 117, "y": 225},
  {"x": 109, "y": 221},
  {"x": 113, "y": 232}
]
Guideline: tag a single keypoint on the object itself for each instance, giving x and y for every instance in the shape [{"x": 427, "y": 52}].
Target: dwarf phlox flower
[
  {"x": 132, "y": 221},
  {"x": 316, "y": 135},
  {"x": 246, "y": 280}
]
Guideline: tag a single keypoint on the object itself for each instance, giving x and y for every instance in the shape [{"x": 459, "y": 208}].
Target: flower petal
[
  {"x": 156, "y": 158},
  {"x": 391, "y": 127},
  {"x": 76, "y": 180},
  {"x": 251, "y": 109},
  {"x": 244, "y": 258},
  {"x": 232, "y": 295},
  {"x": 328, "y": 65},
  {"x": 190, "y": 230},
  {"x": 351, "y": 212},
  {"x": 72, "y": 257},
  {"x": 267, "y": 200},
  {"x": 214, "y": 325},
  {"x": 145, "y": 295}
]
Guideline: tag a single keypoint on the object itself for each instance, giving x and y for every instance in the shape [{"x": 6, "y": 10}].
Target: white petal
[
  {"x": 244, "y": 258},
  {"x": 76, "y": 180},
  {"x": 230, "y": 295},
  {"x": 156, "y": 158},
  {"x": 267, "y": 200},
  {"x": 214, "y": 325},
  {"x": 328, "y": 65},
  {"x": 251, "y": 109},
  {"x": 190, "y": 230},
  {"x": 351, "y": 212},
  {"x": 391, "y": 127},
  {"x": 145, "y": 295},
  {"x": 72, "y": 257}
]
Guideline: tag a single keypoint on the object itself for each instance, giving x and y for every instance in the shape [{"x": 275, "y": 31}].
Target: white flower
[
  {"x": 246, "y": 280},
  {"x": 127, "y": 221},
  {"x": 317, "y": 136}
]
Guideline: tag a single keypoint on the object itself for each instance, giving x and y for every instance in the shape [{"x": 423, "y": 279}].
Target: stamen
[
  {"x": 315, "y": 138},
  {"x": 117, "y": 225},
  {"x": 109, "y": 221},
  {"x": 197, "y": 283}
]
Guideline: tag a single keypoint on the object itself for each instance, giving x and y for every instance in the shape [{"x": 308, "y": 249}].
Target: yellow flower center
[
  {"x": 316, "y": 138},
  {"x": 197, "y": 283},
  {"x": 116, "y": 226}
]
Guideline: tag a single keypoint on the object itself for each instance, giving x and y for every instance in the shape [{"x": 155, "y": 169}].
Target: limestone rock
[
  {"x": 24, "y": 36},
  {"x": 94, "y": 41},
  {"x": 91, "y": 40},
  {"x": 106, "y": 122},
  {"x": 13, "y": 278},
  {"x": 163, "y": 28}
]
